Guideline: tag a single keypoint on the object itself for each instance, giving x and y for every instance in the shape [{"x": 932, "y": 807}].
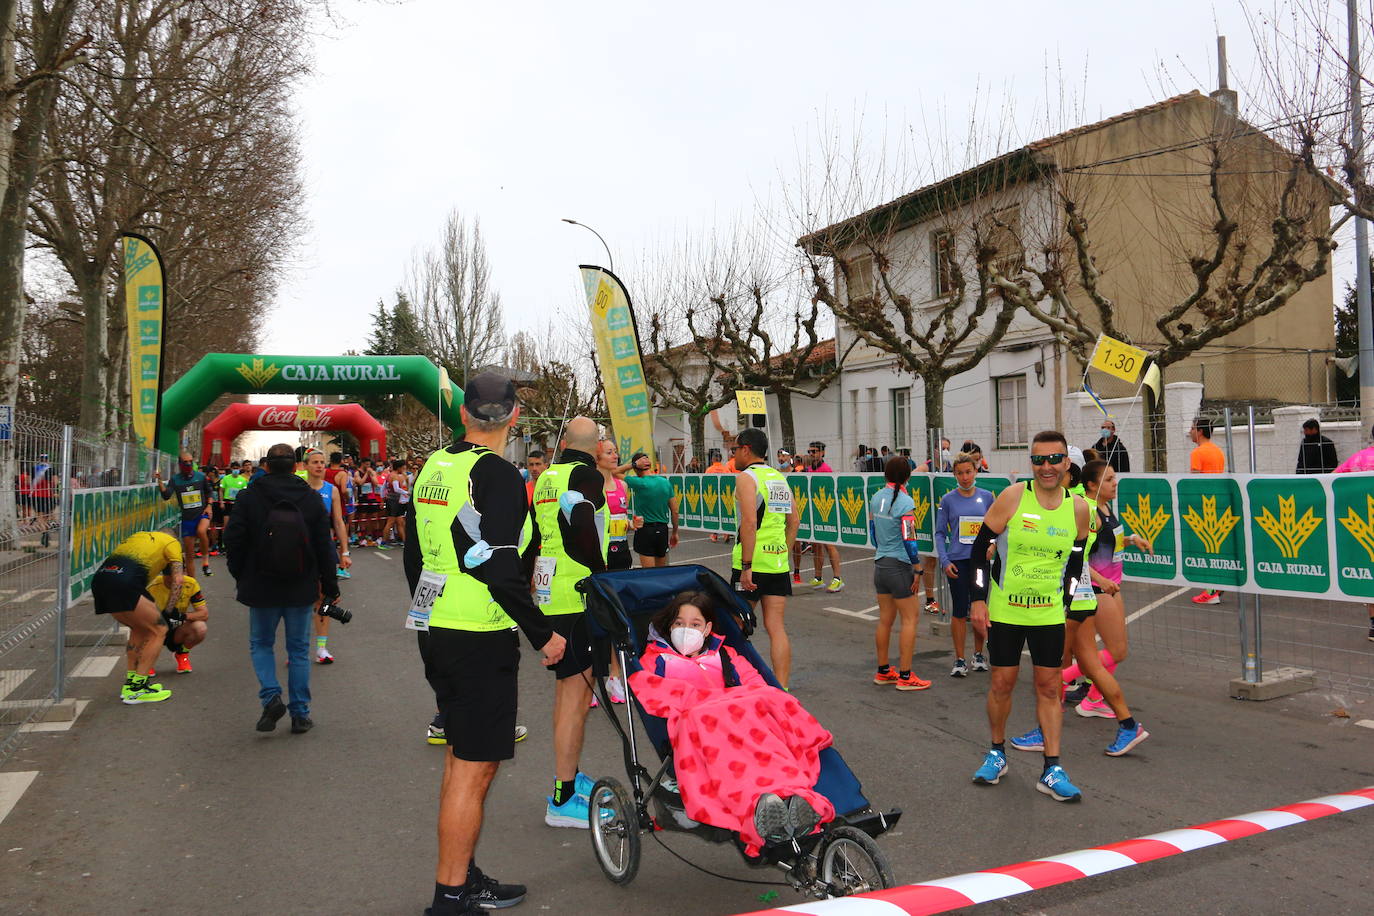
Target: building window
[
  {"x": 941, "y": 260},
  {"x": 1011, "y": 411},
  {"x": 861, "y": 278},
  {"x": 901, "y": 413}
]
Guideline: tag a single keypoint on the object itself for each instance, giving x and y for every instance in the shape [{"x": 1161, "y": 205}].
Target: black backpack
[{"x": 284, "y": 551}]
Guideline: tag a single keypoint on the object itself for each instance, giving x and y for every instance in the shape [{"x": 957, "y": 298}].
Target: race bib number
[
  {"x": 969, "y": 526},
  {"x": 618, "y": 527},
  {"x": 544, "y": 568},
  {"x": 368, "y": 489},
  {"x": 1083, "y": 590},
  {"x": 427, "y": 591},
  {"x": 190, "y": 499},
  {"x": 778, "y": 497}
]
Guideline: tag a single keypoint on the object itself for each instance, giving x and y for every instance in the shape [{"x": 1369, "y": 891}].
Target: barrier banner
[
  {"x": 1297, "y": 535},
  {"x": 617, "y": 354},
  {"x": 143, "y": 304},
  {"x": 710, "y": 500},
  {"x": 104, "y": 516}
]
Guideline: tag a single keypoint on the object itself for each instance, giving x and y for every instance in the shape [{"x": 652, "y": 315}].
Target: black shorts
[
  {"x": 118, "y": 584},
  {"x": 652, "y": 540},
  {"x": 1006, "y": 640},
  {"x": 577, "y": 657},
  {"x": 893, "y": 577},
  {"x": 779, "y": 584},
  {"x": 618, "y": 555},
  {"x": 961, "y": 589},
  {"x": 1080, "y": 616},
  {"x": 393, "y": 507},
  {"x": 474, "y": 677}
]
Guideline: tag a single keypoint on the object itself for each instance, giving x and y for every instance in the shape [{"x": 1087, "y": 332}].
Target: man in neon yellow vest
[
  {"x": 570, "y": 531},
  {"x": 465, "y": 529},
  {"x": 767, "y": 529},
  {"x": 1021, "y": 596}
]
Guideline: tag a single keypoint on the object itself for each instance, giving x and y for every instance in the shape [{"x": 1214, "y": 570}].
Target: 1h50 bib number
[{"x": 427, "y": 591}]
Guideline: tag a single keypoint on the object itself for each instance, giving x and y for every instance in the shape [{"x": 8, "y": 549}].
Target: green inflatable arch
[{"x": 240, "y": 373}]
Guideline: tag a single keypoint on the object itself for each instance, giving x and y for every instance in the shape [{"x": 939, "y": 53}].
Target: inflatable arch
[
  {"x": 220, "y": 432},
  {"x": 239, "y": 373}
]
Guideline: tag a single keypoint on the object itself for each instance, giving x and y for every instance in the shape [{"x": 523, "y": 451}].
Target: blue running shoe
[
  {"x": 572, "y": 813},
  {"x": 1126, "y": 738},
  {"x": 990, "y": 773},
  {"x": 1030, "y": 741},
  {"x": 1055, "y": 783},
  {"x": 582, "y": 785},
  {"x": 343, "y": 573}
]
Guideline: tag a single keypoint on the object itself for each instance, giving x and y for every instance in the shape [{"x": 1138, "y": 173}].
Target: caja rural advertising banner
[
  {"x": 1291, "y": 535},
  {"x": 617, "y": 354},
  {"x": 143, "y": 303},
  {"x": 104, "y": 516}
]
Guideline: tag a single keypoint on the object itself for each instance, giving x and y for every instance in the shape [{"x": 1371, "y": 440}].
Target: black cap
[{"x": 489, "y": 396}]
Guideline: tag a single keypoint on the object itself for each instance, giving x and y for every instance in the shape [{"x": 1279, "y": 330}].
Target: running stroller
[{"x": 840, "y": 860}]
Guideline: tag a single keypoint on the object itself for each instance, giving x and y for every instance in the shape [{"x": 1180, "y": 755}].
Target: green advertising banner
[
  {"x": 729, "y": 521},
  {"x": 853, "y": 509},
  {"x": 919, "y": 486},
  {"x": 1285, "y": 513},
  {"x": 1352, "y": 523},
  {"x": 690, "y": 507},
  {"x": 710, "y": 500},
  {"x": 1145, "y": 506},
  {"x": 105, "y": 516},
  {"x": 1212, "y": 538},
  {"x": 825, "y": 510},
  {"x": 801, "y": 503},
  {"x": 676, "y": 481}
]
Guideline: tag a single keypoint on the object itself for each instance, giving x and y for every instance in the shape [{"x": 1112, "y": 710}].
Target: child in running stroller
[{"x": 745, "y": 752}]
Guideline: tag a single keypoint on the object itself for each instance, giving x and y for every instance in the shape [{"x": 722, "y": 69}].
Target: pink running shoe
[{"x": 1090, "y": 708}]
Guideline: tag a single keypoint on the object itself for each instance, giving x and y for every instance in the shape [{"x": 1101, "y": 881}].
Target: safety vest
[
  {"x": 1032, "y": 552},
  {"x": 555, "y": 573},
  {"x": 443, "y": 488},
  {"x": 774, "y": 494}
]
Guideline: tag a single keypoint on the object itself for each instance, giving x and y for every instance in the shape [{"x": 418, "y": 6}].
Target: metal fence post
[
  {"x": 1230, "y": 442},
  {"x": 64, "y": 560},
  {"x": 1253, "y": 661}
]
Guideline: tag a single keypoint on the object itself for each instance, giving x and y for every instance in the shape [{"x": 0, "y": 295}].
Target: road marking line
[
  {"x": 34, "y": 593},
  {"x": 96, "y": 666},
  {"x": 61, "y": 726},
  {"x": 1366, "y": 723},
  {"x": 11, "y": 679},
  {"x": 1156, "y": 603},
  {"x": 862, "y": 615},
  {"x": 12, "y": 787},
  {"x": 385, "y": 556}
]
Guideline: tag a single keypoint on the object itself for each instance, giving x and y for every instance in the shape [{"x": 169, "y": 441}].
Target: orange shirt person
[{"x": 1206, "y": 458}]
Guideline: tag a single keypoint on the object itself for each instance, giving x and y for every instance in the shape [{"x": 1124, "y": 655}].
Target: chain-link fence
[{"x": 40, "y": 643}]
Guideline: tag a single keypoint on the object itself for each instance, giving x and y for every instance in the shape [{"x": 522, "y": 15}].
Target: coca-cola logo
[{"x": 290, "y": 417}]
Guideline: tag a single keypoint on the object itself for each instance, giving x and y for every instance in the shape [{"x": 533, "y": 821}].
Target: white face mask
[
  {"x": 944, "y": 453},
  {"x": 687, "y": 640}
]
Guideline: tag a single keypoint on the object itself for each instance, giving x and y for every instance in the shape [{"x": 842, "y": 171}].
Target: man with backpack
[{"x": 282, "y": 559}]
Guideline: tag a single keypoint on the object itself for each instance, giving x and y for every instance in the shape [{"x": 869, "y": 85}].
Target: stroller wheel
[
  {"x": 615, "y": 831},
  {"x": 850, "y": 862}
]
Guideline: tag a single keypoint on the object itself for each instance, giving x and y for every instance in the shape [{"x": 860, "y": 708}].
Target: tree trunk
[
  {"x": 1156, "y": 430},
  {"x": 696, "y": 423},
  {"x": 787, "y": 427},
  {"x": 95, "y": 333},
  {"x": 934, "y": 394}
]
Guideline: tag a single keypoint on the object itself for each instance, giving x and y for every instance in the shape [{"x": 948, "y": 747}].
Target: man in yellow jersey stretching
[
  {"x": 1021, "y": 596},
  {"x": 120, "y": 589},
  {"x": 185, "y": 613}
]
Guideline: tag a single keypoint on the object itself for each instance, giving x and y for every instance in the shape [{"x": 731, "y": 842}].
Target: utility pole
[{"x": 1362, "y": 306}]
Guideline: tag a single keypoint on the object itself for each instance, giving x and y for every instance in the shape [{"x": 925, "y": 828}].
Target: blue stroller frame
[{"x": 839, "y": 860}]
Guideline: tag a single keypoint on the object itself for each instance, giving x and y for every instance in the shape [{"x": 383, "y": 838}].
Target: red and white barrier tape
[{"x": 994, "y": 884}]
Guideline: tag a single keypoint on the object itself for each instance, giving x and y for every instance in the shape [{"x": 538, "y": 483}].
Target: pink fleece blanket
[{"x": 732, "y": 745}]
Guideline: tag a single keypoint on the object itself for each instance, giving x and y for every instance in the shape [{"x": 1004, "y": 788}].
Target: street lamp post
[{"x": 610, "y": 262}]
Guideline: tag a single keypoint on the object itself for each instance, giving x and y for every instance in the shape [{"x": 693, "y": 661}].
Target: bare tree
[{"x": 456, "y": 301}]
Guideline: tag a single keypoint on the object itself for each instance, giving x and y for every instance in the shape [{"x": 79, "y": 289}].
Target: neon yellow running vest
[
  {"x": 1086, "y": 603},
  {"x": 770, "y": 541},
  {"x": 556, "y": 594},
  {"x": 441, "y": 491},
  {"x": 1028, "y": 588}
]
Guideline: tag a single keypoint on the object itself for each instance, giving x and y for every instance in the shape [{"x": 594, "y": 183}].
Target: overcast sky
[{"x": 648, "y": 121}]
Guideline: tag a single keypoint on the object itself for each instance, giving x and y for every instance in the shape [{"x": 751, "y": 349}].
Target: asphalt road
[{"x": 184, "y": 808}]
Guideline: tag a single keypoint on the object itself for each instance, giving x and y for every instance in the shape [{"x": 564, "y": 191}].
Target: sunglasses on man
[{"x": 1056, "y": 458}]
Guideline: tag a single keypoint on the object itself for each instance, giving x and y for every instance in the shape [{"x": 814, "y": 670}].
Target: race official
[{"x": 465, "y": 529}]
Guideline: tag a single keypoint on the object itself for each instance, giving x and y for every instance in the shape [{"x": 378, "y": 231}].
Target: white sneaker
[
  {"x": 980, "y": 662},
  {"x": 322, "y": 657},
  {"x": 616, "y": 691}
]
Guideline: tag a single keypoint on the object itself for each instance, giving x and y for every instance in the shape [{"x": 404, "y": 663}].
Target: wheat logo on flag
[
  {"x": 259, "y": 374},
  {"x": 1361, "y": 529},
  {"x": 709, "y": 497},
  {"x": 1211, "y": 529},
  {"x": 799, "y": 499},
  {"x": 693, "y": 497},
  {"x": 823, "y": 502},
  {"x": 1288, "y": 531},
  {"x": 921, "y": 506},
  {"x": 727, "y": 496},
  {"x": 852, "y": 504},
  {"x": 1144, "y": 522}
]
